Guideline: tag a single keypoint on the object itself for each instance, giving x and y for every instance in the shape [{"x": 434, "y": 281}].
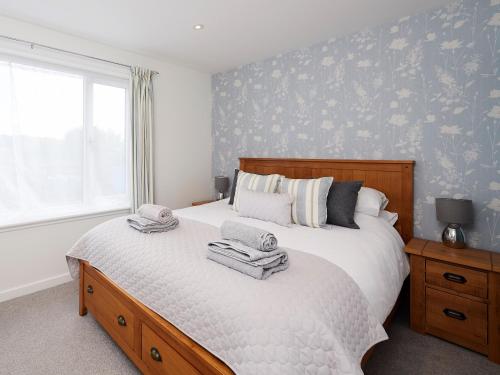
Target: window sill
[{"x": 64, "y": 219}]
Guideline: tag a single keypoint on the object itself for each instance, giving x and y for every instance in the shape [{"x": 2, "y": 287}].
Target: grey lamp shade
[
  {"x": 221, "y": 183},
  {"x": 454, "y": 211}
]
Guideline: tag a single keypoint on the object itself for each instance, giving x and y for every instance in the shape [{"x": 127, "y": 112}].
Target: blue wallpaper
[{"x": 424, "y": 87}]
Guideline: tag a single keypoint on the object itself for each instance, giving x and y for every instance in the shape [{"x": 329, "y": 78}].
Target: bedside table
[
  {"x": 199, "y": 203},
  {"x": 455, "y": 295}
]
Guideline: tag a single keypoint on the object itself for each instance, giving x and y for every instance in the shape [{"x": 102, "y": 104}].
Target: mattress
[{"x": 373, "y": 255}]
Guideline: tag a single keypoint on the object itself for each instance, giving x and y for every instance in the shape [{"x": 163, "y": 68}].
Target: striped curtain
[{"x": 142, "y": 140}]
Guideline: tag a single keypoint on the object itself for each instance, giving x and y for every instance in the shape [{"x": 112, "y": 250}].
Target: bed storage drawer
[
  {"x": 161, "y": 358},
  {"x": 457, "y": 319},
  {"x": 117, "y": 319},
  {"x": 460, "y": 279}
]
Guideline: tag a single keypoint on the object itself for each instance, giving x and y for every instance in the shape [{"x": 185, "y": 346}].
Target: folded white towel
[{"x": 155, "y": 212}]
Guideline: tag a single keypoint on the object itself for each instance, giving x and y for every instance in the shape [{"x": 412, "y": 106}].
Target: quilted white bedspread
[{"x": 309, "y": 319}]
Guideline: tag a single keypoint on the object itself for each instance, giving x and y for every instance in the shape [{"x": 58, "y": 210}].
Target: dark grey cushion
[
  {"x": 233, "y": 186},
  {"x": 341, "y": 203}
]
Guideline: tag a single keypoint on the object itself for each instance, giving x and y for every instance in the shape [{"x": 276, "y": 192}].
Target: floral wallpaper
[{"x": 425, "y": 87}]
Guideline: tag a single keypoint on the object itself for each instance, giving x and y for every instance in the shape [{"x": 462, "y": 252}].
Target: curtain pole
[{"x": 33, "y": 44}]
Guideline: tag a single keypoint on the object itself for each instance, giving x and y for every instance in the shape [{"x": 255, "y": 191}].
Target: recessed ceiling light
[{"x": 198, "y": 26}]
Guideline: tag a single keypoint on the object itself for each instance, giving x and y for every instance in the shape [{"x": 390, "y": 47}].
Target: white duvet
[{"x": 373, "y": 255}]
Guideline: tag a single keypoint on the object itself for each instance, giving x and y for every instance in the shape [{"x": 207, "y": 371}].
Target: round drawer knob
[
  {"x": 155, "y": 354},
  {"x": 121, "y": 321},
  {"x": 90, "y": 290}
]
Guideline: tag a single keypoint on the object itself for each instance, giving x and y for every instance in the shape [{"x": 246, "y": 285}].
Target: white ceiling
[{"x": 236, "y": 31}]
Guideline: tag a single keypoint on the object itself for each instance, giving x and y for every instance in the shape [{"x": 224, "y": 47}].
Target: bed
[{"x": 375, "y": 264}]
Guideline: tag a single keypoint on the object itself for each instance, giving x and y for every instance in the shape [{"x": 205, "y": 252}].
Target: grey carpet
[
  {"x": 43, "y": 334},
  {"x": 409, "y": 353}
]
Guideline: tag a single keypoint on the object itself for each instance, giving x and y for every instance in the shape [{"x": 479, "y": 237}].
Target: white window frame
[{"x": 96, "y": 73}]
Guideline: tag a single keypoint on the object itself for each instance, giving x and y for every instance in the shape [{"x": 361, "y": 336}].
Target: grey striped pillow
[
  {"x": 255, "y": 182},
  {"x": 309, "y": 203}
]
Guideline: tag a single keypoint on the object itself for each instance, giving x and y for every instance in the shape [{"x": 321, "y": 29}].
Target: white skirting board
[{"x": 34, "y": 287}]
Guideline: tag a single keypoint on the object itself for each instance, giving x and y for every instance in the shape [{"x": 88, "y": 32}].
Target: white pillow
[
  {"x": 274, "y": 207},
  {"x": 390, "y": 217},
  {"x": 371, "y": 201}
]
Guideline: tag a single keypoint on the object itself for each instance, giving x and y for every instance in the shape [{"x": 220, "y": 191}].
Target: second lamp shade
[
  {"x": 454, "y": 211},
  {"x": 221, "y": 183}
]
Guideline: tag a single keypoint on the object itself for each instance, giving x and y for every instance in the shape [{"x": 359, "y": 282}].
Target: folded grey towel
[
  {"x": 252, "y": 262},
  {"x": 149, "y": 226},
  {"x": 257, "y": 271},
  {"x": 239, "y": 251},
  {"x": 165, "y": 228},
  {"x": 253, "y": 237},
  {"x": 155, "y": 212}
]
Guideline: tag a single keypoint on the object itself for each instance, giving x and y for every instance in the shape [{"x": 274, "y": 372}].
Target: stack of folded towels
[
  {"x": 249, "y": 250},
  {"x": 153, "y": 218}
]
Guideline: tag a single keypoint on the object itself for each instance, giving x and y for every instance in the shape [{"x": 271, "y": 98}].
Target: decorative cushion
[
  {"x": 274, "y": 207},
  {"x": 371, "y": 201},
  {"x": 309, "y": 199},
  {"x": 233, "y": 186},
  {"x": 255, "y": 182},
  {"x": 341, "y": 203}
]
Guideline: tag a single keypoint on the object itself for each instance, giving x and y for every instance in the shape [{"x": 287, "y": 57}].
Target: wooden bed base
[
  {"x": 157, "y": 347},
  {"x": 140, "y": 332}
]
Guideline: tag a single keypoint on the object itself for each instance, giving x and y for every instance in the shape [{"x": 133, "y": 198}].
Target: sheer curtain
[
  {"x": 142, "y": 141},
  {"x": 63, "y": 142}
]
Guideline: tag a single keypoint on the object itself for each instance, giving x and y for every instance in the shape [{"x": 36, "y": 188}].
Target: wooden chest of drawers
[{"x": 455, "y": 295}]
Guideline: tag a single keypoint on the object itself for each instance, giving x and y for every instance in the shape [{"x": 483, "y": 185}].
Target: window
[{"x": 63, "y": 142}]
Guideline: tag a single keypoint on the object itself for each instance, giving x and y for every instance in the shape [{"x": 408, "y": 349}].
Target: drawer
[
  {"x": 463, "y": 320},
  {"x": 161, "y": 358},
  {"x": 459, "y": 279},
  {"x": 109, "y": 311}
]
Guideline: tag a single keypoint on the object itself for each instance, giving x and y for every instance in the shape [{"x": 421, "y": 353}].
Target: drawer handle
[
  {"x": 453, "y": 277},
  {"x": 121, "y": 321},
  {"x": 454, "y": 314},
  {"x": 155, "y": 354},
  {"x": 90, "y": 290}
]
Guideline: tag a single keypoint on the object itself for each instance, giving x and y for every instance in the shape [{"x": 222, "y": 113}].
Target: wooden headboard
[{"x": 393, "y": 177}]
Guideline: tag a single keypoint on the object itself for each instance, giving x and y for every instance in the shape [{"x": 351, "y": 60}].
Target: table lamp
[
  {"x": 455, "y": 213},
  {"x": 221, "y": 185}
]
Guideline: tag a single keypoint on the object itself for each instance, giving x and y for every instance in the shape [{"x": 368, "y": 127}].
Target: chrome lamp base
[{"x": 453, "y": 236}]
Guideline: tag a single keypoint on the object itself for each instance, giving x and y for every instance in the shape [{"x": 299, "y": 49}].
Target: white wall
[{"x": 33, "y": 258}]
